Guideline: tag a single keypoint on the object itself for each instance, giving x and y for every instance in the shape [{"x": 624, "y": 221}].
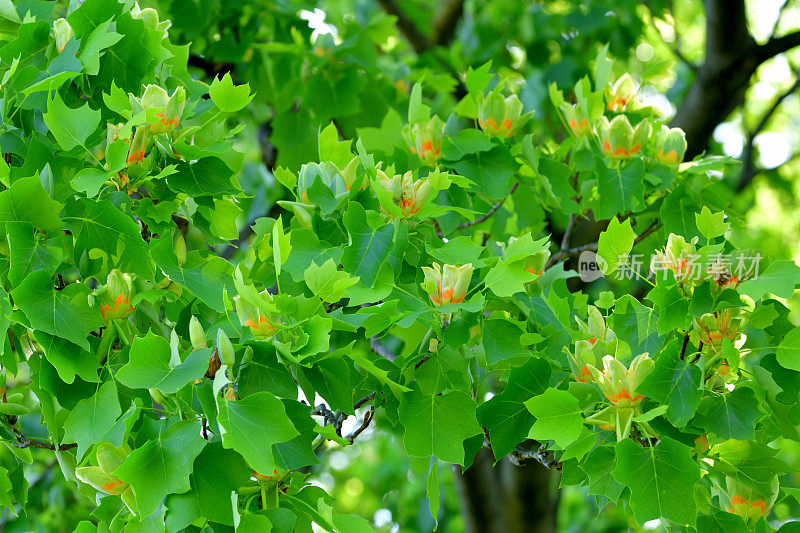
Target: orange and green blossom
[
  {"x": 251, "y": 316},
  {"x": 601, "y": 342},
  {"x": 748, "y": 502},
  {"x": 138, "y": 146},
  {"x": 109, "y": 458},
  {"x": 115, "y": 297},
  {"x": 426, "y": 139},
  {"x": 618, "y": 383},
  {"x": 680, "y": 257},
  {"x": 622, "y": 94},
  {"x": 408, "y": 194},
  {"x": 670, "y": 145},
  {"x": 712, "y": 328},
  {"x": 447, "y": 285},
  {"x": 576, "y": 120},
  {"x": 534, "y": 263},
  {"x": 63, "y": 32},
  {"x": 500, "y": 117},
  {"x": 163, "y": 112},
  {"x": 619, "y": 140}
]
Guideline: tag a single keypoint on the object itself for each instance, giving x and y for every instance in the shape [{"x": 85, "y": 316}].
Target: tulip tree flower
[
  {"x": 447, "y": 285},
  {"x": 408, "y": 194},
  {"x": 619, "y": 140},
  {"x": 681, "y": 258},
  {"x": 618, "y": 384},
  {"x": 621, "y": 94},
  {"x": 261, "y": 325},
  {"x": 150, "y": 18},
  {"x": 501, "y": 117},
  {"x": 109, "y": 458},
  {"x": 116, "y": 295},
  {"x": 747, "y": 501},
  {"x": 533, "y": 263},
  {"x": 63, "y": 32},
  {"x": 601, "y": 342},
  {"x": 162, "y": 111},
  {"x": 670, "y": 145},
  {"x": 578, "y": 123},
  {"x": 426, "y": 139},
  {"x": 712, "y": 328},
  {"x": 138, "y": 147}
]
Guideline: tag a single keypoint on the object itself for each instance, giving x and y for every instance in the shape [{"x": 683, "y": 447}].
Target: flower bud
[
  {"x": 621, "y": 94},
  {"x": 227, "y": 355},
  {"x": 327, "y": 173},
  {"x": 618, "y": 383},
  {"x": 448, "y": 285},
  {"x": 302, "y": 213},
  {"x": 157, "y": 396},
  {"x": 500, "y": 117},
  {"x": 619, "y": 140},
  {"x": 138, "y": 146},
  {"x": 670, "y": 145},
  {"x": 350, "y": 173},
  {"x": 196, "y": 334},
  {"x": 116, "y": 295},
  {"x": 261, "y": 325},
  {"x": 180, "y": 249},
  {"x": 150, "y": 18},
  {"x": 426, "y": 139},
  {"x": 579, "y": 359},
  {"x": 63, "y": 32}
]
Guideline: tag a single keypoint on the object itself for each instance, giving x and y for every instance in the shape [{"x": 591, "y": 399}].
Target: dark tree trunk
[{"x": 506, "y": 498}]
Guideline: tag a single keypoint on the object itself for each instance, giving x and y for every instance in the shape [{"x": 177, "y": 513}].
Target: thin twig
[
  {"x": 367, "y": 419},
  {"x": 380, "y": 349},
  {"x": 365, "y": 399},
  {"x": 568, "y": 232},
  {"x": 592, "y": 246},
  {"x": 491, "y": 211},
  {"x": 25, "y": 442}
]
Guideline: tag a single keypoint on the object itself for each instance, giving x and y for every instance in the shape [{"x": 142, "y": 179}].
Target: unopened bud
[
  {"x": 196, "y": 334},
  {"x": 227, "y": 355},
  {"x": 180, "y": 249}
]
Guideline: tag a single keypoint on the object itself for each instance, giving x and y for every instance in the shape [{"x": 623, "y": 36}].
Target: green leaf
[
  {"x": 252, "y": 425},
  {"x": 615, "y": 244},
  {"x": 162, "y": 466},
  {"x": 711, "y": 224},
  {"x": 780, "y": 279},
  {"x": 599, "y": 466},
  {"x": 149, "y": 365},
  {"x": 217, "y": 472},
  {"x": 369, "y": 247},
  {"x": 93, "y": 418},
  {"x": 558, "y": 417},
  {"x": 68, "y": 359},
  {"x": 70, "y": 127},
  {"x": 227, "y": 97},
  {"x": 332, "y": 149},
  {"x": 621, "y": 189},
  {"x": 438, "y": 424},
  {"x": 505, "y": 415},
  {"x": 730, "y": 415},
  {"x": 209, "y": 176},
  {"x": 507, "y": 279},
  {"x": 788, "y": 353},
  {"x": 16, "y": 202},
  {"x": 65, "y": 313},
  {"x": 489, "y": 171},
  {"x": 675, "y": 383},
  {"x": 432, "y": 491},
  {"x": 467, "y": 141},
  {"x": 99, "y": 225},
  {"x": 661, "y": 480},
  {"x": 501, "y": 340},
  {"x": 672, "y": 306},
  {"x": 29, "y": 252},
  {"x": 328, "y": 283},
  {"x": 207, "y": 277}
]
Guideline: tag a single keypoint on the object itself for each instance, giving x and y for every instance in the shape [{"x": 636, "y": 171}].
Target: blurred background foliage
[{"x": 298, "y": 56}]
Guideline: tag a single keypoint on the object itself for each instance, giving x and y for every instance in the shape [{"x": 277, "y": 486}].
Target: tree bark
[{"x": 505, "y": 498}]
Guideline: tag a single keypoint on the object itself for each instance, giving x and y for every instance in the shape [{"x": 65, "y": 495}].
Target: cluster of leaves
[{"x": 172, "y": 386}]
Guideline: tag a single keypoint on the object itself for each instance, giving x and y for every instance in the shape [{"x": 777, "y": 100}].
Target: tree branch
[
  {"x": 380, "y": 349},
  {"x": 592, "y": 246},
  {"x": 778, "y": 45},
  {"x": 749, "y": 170},
  {"x": 25, "y": 442},
  {"x": 491, "y": 211}
]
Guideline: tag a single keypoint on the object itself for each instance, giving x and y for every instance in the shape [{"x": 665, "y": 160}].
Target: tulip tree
[{"x": 406, "y": 276}]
